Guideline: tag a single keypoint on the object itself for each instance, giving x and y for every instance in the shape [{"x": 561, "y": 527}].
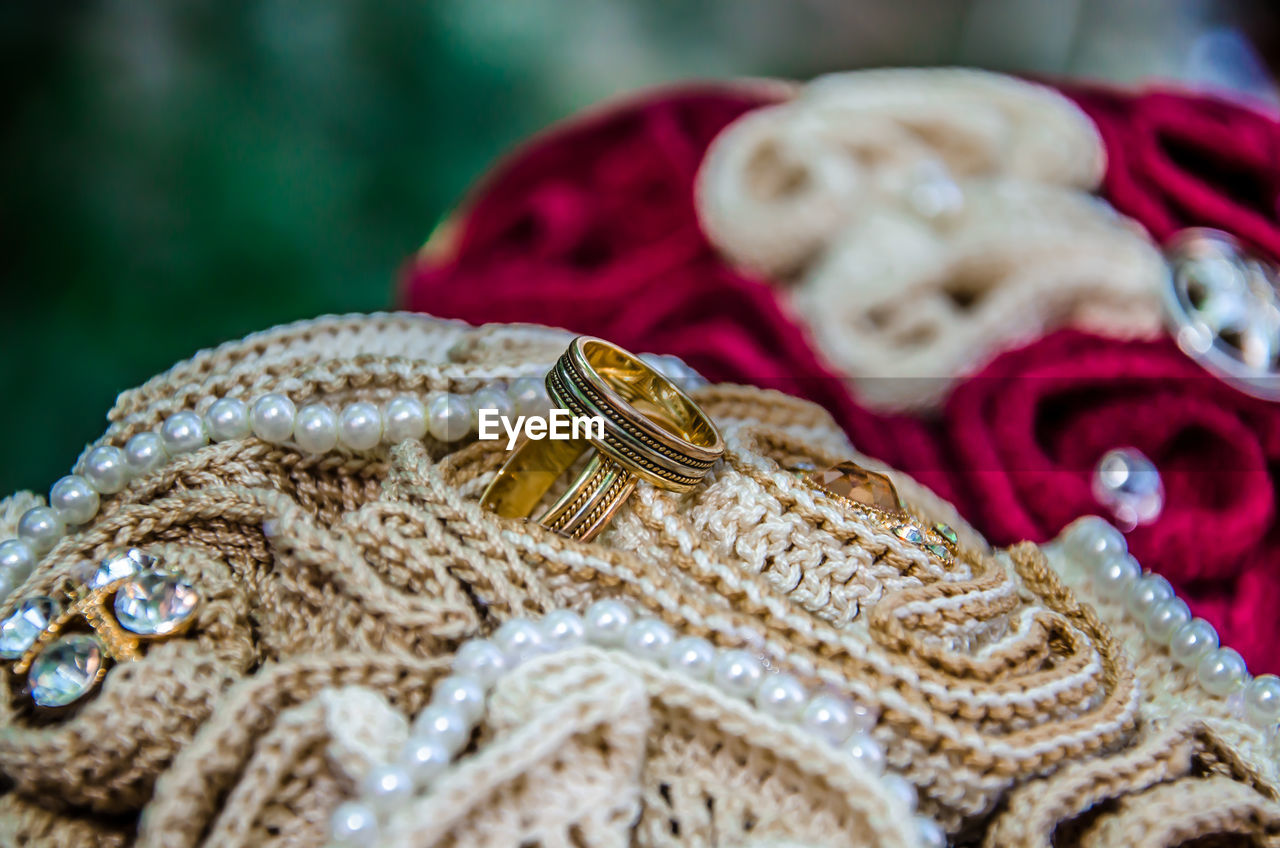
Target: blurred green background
[{"x": 179, "y": 174}]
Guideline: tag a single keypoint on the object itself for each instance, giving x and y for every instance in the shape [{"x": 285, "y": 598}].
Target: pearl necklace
[
  {"x": 442, "y": 730},
  {"x": 1098, "y": 550},
  {"x": 316, "y": 428}
]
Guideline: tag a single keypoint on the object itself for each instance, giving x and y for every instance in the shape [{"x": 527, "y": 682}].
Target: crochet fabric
[{"x": 338, "y": 586}]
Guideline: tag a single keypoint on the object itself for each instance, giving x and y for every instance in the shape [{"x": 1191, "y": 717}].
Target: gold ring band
[{"x": 651, "y": 431}]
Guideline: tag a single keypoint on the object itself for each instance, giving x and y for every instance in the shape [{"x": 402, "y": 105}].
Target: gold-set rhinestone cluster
[
  {"x": 874, "y": 496},
  {"x": 64, "y": 649}
]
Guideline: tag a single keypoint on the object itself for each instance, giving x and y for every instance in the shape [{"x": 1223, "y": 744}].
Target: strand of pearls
[
  {"x": 1099, "y": 549},
  {"x": 442, "y": 730},
  {"x": 315, "y": 428}
]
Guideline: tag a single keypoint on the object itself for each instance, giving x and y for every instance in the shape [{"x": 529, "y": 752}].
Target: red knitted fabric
[
  {"x": 1029, "y": 429},
  {"x": 592, "y": 227},
  {"x": 1177, "y": 159}
]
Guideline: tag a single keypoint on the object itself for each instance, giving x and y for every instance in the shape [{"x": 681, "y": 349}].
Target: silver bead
[
  {"x": 649, "y": 638},
  {"x": 737, "y": 672},
  {"x": 529, "y": 396},
  {"x": 693, "y": 656},
  {"x": 1164, "y": 620},
  {"x": 446, "y": 725},
  {"x": 1221, "y": 672},
  {"x": 315, "y": 429},
  {"x": 74, "y": 499},
  {"x": 17, "y": 561},
  {"x": 404, "y": 418},
  {"x": 183, "y": 432},
  {"x": 387, "y": 786},
  {"x": 106, "y": 469},
  {"x": 1262, "y": 701},
  {"x": 828, "y": 716},
  {"x": 1144, "y": 593},
  {"x": 1192, "y": 641},
  {"x": 360, "y": 426},
  {"x": 480, "y": 660},
  {"x": 1091, "y": 540},
  {"x": 562, "y": 629},
  {"x": 606, "y": 622},
  {"x": 1128, "y": 484},
  {"x": 227, "y": 419},
  {"x": 1112, "y": 577},
  {"x": 448, "y": 417},
  {"x": 426, "y": 759},
  {"x": 145, "y": 453},
  {"x": 519, "y": 639},
  {"x": 41, "y": 528},
  {"x": 930, "y": 833},
  {"x": 354, "y": 824},
  {"x": 781, "y": 696},
  {"x": 272, "y": 417},
  {"x": 465, "y": 694},
  {"x": 866, "y": 751}
]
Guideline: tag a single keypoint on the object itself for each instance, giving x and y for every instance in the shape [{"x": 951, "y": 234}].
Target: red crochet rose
[{"x": 1029, "y": 429}]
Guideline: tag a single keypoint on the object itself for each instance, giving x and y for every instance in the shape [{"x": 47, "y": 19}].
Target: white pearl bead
[
  {"x": 562, "y": 629},
  {"x": 899, "y": 786},
  {"x": 1165, "y": 618},
  {"x": 228, "y": 419},
  {"x": 738, "y": 673},
  {"x": 1192, "y": 641},
  {"x": 529, "y": 396},
  {"x": 426, "y": 759},
  {"x": 360, "y": 426},
  {"x": 145, "y": 453},
  {"x": 930, "y": 833},
  {"x": 866, "y": 751},
  {"x": 1145, "y": 592},
  {"x": 8, "y": 582},
  {"x": 388, "y": 785},
  {"x": 41, "y": 528},
  {"x": 272, "y": 418},
  {"x": 17, "y": 560},
  {"x": 862, "y": 718},
  {"x": 1092, "y": 540},
  {"x": 490, "y": 397},
  {"x": 693, "y": 656},
  {"x": 828, "y": 716},
  {"x": 448, "y": 417},
  {"x": 75, "y": 500},
  {"x": 445, "y": 725},
  {"x": 183, "y": 432},
  {"x": 106, "y": 469},
  {"x": 518, "y": 639},
  {"x": 1262, "y": 701},
  {"x": 607, "y": 621},
  {"x": 404, "y": 418},
  {"x": 781, "y": 696},
  {"x": 1221, "y": 672},
  {"x": 1113, "y": 577},
  {"x": 649, "y": 638},
  {"x": 315, "y": 429},
  {"x": 465, "y": 694},
  {"x": 481, "y": 660},
  {"x": 354, "y": 823}
]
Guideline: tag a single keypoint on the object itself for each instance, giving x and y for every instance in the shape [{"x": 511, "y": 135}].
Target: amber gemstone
[{"x": 852, "y": 481}]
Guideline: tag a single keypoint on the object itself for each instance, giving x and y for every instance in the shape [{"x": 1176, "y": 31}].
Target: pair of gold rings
[{"x": 647, "y": 429}]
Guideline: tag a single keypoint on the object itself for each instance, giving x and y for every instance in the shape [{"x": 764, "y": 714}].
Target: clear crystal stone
[
  {"x": 155, "y": 603},
  {"x": 909, "y": 533},
  {"x": 66, "y": 670},
  {"x": 119, "y": 565},
  {"x": 18, "y": 632},
  {"x": 947, "y": 532},
  {"x": 1129, "y": 484}
]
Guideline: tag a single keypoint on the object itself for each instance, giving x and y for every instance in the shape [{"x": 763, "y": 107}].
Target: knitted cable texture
[
  {"x": 923, "y": 220},
  {"x": 337, "y": 588}
]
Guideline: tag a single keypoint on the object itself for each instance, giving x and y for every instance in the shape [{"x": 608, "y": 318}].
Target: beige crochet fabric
[
  {"x": 338, "y": 581},
  {"x": 925, "y": 219}
]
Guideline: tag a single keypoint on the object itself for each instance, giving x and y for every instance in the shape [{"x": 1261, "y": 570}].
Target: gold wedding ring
[{"x": 652, "y": 431}]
